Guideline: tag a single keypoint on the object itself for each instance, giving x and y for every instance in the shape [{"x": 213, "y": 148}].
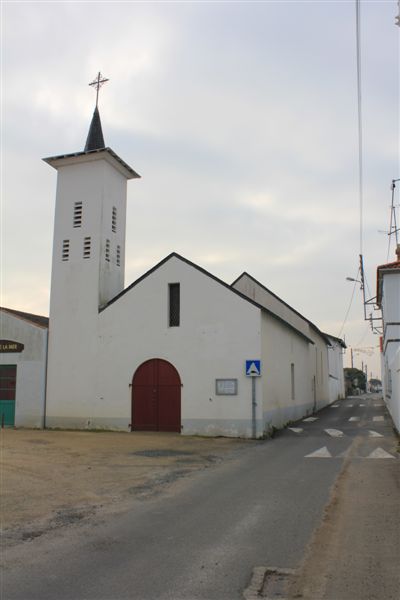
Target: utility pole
[{"x": 351, "y": 356}]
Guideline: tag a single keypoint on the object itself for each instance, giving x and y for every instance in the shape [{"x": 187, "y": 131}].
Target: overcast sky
[{"x": 241, "y": 118}]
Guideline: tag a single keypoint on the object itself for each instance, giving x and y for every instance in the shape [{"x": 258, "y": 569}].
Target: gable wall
[{"x": 218, "y": 332}]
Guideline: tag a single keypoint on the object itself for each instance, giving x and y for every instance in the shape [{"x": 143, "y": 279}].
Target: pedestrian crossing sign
[{"x": 253, "y": 368}]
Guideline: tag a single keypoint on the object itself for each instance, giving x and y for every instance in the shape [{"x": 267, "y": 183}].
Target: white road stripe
[
  {"x": 296, "y": 429},
  {"x": 374, "y": 433},
  {"x": 380, "y": 453},
  {"x": 361, "y": 405},
  {"x": 321, "y": 453},
  {"x": 380, "y": 419},
  {"x": 350, "y": 405},
  {"x": 334, "y": 405},
  {"x": 354, "y": 419},
  {"x": 334, "y": 432},
  {"x": 310, "y": 419}
]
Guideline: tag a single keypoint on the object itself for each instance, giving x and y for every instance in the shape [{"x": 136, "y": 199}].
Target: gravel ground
[{"x": 50, "y": 479}]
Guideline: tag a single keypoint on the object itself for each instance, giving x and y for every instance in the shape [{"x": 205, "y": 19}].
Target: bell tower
[{"x": 88, "y": 255}]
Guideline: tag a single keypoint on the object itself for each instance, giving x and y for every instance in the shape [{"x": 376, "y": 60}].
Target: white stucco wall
[
  {"x": 218, "y": 332},
  {"x": 80, "y": 285},
  {"x": 31, "y": 368},
  {"x": 282, "y": 348},
  {"x": 336, "y": 374},
  {"x": 317, "y": 368},
  {"x": 391, "y": 343}
]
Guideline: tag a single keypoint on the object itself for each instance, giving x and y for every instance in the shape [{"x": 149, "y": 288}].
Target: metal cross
[{"x": 97, "y": 83}]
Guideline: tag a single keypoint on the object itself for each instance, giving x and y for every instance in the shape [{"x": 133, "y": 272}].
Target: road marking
[
  {"x": 321, "y": 453},
  {"x": 334, "y": 432},
  {"x": 349, "y": 405},
  {"x": 354, "y": 419},
  {"x": 374, "y": 433},
  {"x": 378, "y": 405},
  {"x": 296, "y": 429},
  {"x": 380, "y": 453},
  {"x": 380, "y": 419},
  {"x": 361, "y": 404},
  {"x": 334, "y": 405},
  {"x": 310, "y": 419}
]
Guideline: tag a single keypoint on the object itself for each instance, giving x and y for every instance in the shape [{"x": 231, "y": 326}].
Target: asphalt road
[{"x": 201, "y": 540}]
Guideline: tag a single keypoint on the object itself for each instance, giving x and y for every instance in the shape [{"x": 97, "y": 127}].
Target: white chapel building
[{"x": 178, "y": 349}]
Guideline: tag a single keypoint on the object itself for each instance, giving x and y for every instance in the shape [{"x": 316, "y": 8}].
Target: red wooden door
[{"x": 156, "y": 397}]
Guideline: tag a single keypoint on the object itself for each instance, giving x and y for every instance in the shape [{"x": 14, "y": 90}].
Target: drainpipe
[
  {"x": 253, "y": 408},
  {"x": 45, "y": 378}
]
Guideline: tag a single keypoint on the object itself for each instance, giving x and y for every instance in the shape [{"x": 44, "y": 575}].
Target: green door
[{"x": 8, "y": 378}]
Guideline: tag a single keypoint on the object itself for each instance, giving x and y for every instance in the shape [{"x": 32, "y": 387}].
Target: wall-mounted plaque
[{"x": 226, "y": 387}]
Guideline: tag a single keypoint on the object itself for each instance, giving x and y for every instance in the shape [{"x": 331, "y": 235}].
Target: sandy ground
[{"x": 50, "y": 479}]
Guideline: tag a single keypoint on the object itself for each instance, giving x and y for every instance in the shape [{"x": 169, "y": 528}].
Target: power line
[
  {"x": 350, "y": 304},
  {"x": 359, "y": 112}
]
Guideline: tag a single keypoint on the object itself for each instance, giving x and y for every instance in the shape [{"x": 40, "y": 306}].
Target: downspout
[{"x": 45, "y": 378}]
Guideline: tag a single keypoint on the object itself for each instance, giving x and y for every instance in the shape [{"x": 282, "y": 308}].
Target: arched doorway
[{"x": 156, "y": 397}]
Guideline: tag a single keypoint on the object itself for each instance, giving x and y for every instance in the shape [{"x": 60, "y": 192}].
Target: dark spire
[{"x": 95, "y": 139}]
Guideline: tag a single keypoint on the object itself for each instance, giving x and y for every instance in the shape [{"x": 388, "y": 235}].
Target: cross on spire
[{"x": 97, "y": 83}]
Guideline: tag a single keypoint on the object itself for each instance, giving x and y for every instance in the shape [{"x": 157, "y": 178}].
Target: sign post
[{"x": 253, "y": 370}]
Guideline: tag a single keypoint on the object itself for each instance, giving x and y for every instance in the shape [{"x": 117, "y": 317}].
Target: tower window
[
  {"x": 78, "y": 214},
  {"x": 174, "y": 304},
  {"x": 108, "y": 250},
  {"x": 118, "y": 256},
  {"x": 87, "y": 242},
  {"x": 114, "y": 219},
  {"x": 65, "y": 250}
]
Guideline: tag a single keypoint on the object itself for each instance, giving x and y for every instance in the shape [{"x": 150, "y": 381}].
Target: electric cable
[
  {"x": 350, "y": 305},
  {"x": 359, "y": 114}
]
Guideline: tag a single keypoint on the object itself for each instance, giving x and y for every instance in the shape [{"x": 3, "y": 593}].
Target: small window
[
  {"x": 118, "y": 256},
  {"x": 108, "y": 250},
  {"x": 65, "y": 250},
  {"x": 114, "y": 219},
  {"x": 87, "y": 242},
  {"x": 174, "y": 304},
  {"x": 292, "y": 380},
  {"x": 78, "y": 214}
]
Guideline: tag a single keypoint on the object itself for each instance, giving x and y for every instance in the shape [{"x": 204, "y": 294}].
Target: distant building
[
  {"x": 388, "y": 299},
  {"x": 23, "y": 357}
]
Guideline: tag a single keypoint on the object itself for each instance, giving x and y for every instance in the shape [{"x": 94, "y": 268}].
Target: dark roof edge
[
  {"x": 39, "y": 320},
  {"x": 208, "y": 274},
  {"x": 311, "y": 324},
  {"x": 337, "y": 339},
  {"x": 50, "y": 159}
]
